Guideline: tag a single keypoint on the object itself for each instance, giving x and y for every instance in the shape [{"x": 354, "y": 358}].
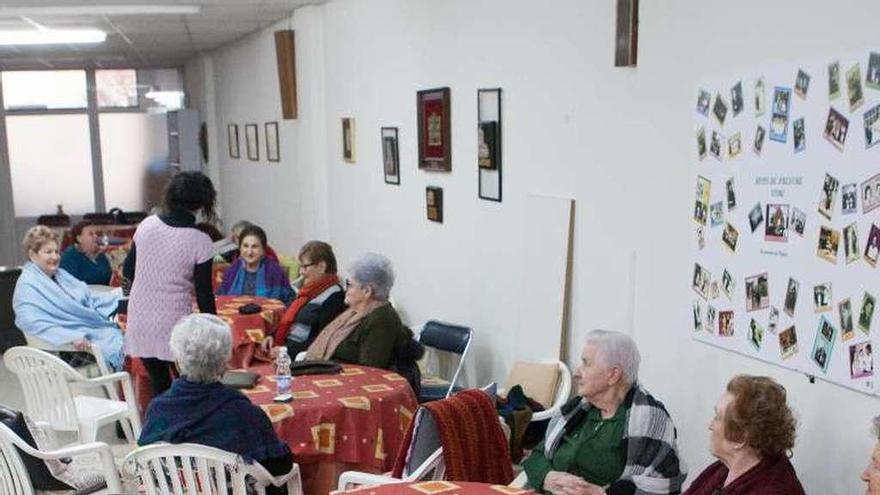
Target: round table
[{"x": 438, "y": 487}]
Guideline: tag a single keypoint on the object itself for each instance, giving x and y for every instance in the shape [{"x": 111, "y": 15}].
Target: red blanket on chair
[{"x": 474, "y": 445}]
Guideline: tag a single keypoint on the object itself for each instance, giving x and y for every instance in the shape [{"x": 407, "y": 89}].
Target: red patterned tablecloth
[{"x": 438, "y": 487}]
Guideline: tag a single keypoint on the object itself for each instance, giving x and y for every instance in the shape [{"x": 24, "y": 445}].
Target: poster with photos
[{"x": 791, "y": 276}]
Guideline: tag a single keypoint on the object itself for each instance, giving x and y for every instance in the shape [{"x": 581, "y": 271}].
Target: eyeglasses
[
  {"x": 306, "y": 265},
  {"x": 349, "y": 284}
]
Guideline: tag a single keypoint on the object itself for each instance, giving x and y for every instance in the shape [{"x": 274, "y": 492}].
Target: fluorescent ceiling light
[
  {"x": 87, "y": 10},
  {"x": 46, "y": 36}
]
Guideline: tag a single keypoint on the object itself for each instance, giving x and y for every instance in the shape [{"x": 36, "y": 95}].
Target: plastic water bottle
[{"x": 284, "y": 380}]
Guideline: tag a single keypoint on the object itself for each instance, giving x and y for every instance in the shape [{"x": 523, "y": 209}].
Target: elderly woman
[
  {"x": 751, "y": 434},
  {"x": 54, "y": 306},
  {"x": 199, "y": 409},
  {"x": 871, "y": 474},
  {"x": 615, "y": 437},
  {"x": 320, "y": 300},
  {"x": 84, "y": 259},
  {"x": 234, "y": 240},
  {"x": 254, "y": 274}
]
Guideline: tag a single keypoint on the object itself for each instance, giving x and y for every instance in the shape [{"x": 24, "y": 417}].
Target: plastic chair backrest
[
  {"x": 45, "y": 380},
  {"x": 14, "y": 478}
]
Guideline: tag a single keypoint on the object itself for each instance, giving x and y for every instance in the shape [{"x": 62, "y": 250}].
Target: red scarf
[{"x": 306, "y": 294}]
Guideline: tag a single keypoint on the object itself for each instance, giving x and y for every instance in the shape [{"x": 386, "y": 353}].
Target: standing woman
[{"x": 169, "y": 260}]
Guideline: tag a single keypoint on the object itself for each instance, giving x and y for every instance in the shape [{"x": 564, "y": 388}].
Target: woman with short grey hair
[
  {"x": 614, "y": 436},
  {"x": 871, "y": 474},
  {"x": 197, "y": 408},
  {"x": 374, "y": 271}
]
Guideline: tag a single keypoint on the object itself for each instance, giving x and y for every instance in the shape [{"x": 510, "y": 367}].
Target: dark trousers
[{"x": 160, "y": 374}]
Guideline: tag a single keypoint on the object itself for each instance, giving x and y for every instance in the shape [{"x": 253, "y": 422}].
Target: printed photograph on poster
[
  {"x": 847, "y": 330},
  {"x": 861, "y": 361},
  {"x": 802, "y": 84},
  {"x": 848, "y": 195},
  {"x": 866, "y": 314},
  {"x": 756, "y": 216},
  {"x": 716, "y": 213},
  {"x": 703, "y": 100},
  {"x": 756, "y": 334},
  {"x": 719, "y": 110},
  {"x": 731, "y": 193},
  {"x": 701, "y": 237},
  {"x": 799, "y": 135},
  {"x": 701, "y": 205},
  {"x": 870, "y": 194},
  {"x": 729, "y": 236},
  {"x": 736, "y": 98},
  {"x": 779, "y": 119},
  {"x": 701, "y": 143},
  {"x": 715, "y": 145},
  {"x": 727, "y": 283},
  {"x": 836, "y": 127},
  {"x": 725, "y": 323},
  {"x": 854, "y": 92},
  {"x": 872, "y": 126},
  {"x": 824, "y": 344},
  {"x": 760, "y": 97},
  {"x": 714, "y": 291},
  {"x": 488, "y": 143},
  {"x": 829, "y": 242},
  {"x": 788, "y": 345},
  {"x": 734, "y": 145},
  {"x": 872, "y": 247},
  {"x": 822, "y": 297},
  {"x": 798, "y": 221},
  {"x": 710, "y": 319},
  {"x": 773, "y": 319},
  {"x": 872, "y": 78},
  {"x": 827, "y": 196},
  {"x": 776, "y": 226},
  {"x": 700, "y": 284},
  {"x": 834, "y": 80},
  {"x": 791, "y": 296},
  {"x": 757, "y": 292},
  {"x": 698, "y": 317},
  {"x": 851, "y": 243},
  {"x": 760, "y": 134}
]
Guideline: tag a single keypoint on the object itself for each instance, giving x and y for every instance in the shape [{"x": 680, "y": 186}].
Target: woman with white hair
[
  {"x": 871, "y": 474},
  {"x": 613, "y": 438},
  {"x": 199, "y": 409}
]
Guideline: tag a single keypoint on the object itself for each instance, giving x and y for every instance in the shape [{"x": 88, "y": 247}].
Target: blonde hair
[{"x": 36, "y": 237}]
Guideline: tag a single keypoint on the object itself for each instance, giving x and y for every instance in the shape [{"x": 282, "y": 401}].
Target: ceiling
[{"x": 135, "y": 40}]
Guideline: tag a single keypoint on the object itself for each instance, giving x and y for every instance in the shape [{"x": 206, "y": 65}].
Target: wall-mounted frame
[
  {"x": 489, "y": 143},
  {"x": 435, "y": 140},
  {"x": 348, "y": 143},
  {"x": 232, "y": 138},
  {"x": 390, "y": 155},
  {"x": 252, "y": 139},
  {"x": 434, "y": 202},
  {"x": 271, "y": 133}
]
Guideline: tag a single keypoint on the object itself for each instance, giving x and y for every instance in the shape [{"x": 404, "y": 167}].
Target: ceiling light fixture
[
  {"x": 47, "y": 36},
  {"x": 92, "y": 10}
]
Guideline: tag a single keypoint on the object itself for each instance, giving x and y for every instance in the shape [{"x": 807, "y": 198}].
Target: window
[
  {"x": 116, "y": 88},
  {"x": 44, "y": 89},
  {"x": 163, "y": 89},
  {"x": 130, "y": 143}
]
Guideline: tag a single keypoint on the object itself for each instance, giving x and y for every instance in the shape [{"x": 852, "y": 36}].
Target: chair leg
[{"x": 128, "y": 431}]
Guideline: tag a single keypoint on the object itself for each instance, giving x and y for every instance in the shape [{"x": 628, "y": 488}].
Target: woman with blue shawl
[
  {"x": 252, "y": 273},
  {"x": 54, "y": 306}
]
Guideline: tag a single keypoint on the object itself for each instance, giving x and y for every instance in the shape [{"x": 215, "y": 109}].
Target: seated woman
[
  {"x": 615, "y": 437},
  {"x": 231, "y": 255},
  {"x": 54, "y": 306},
  {"x": 871, "y": 474},
  {"x": 84, "y": 259},
  {"x": 317, "y": 303},
  {"x": 253, "y": 273},
  {"x": 369, "y": 332},
  {"x": 752, "y": 434},
  {"x": 199, "y": 409}
]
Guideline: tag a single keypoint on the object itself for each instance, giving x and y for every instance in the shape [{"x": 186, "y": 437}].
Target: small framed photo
[
  {"x": 836, "y": 127},
  {"x": 251, "y": 133},
  {"x": 851, "y": 243},
  {"x": 232, "y": 140},
  {"x": 829, "y": 243},
  {"x": 728, "y": 284},
  {"x": 434, "y": 201},
  {"x": 730, "y": 236},
  {"x": 700, "y": 284},
  {"x": 736, "y": 98},
  {"x": 824, "y": 344},
  {"x": 760, "y": 97},
  {"x": 872, "y": 247},
  {"x": 788, "y": 345},
  {"x": 872, "y": 126},
  {"x": 861, "y": 360},
  {"x": 348, "y": 140},
  {"x": 716, "y": 213},
  {"x": 773, "y": 320},
  {"x": 731, "y": 194},
  {"x": 701, "y": 143},
  {"x": 829, "y": 193},
  {"x": 756, "y": 334},
  {"x": 701, "y": 237},
  {"x": 848, "y": 198},
  {"x": 725, "y": 323},
  {"x": 822, "y": 297},
  {"x": 757, "y": 292},
  {"x": 273, "y": 153},
  {"x": 435, "y": 139},
  {"x": 719, "y": 109},
  {"x": 834, "y": 80},
  {"x": 715, "y": 145},
  {"x": 776, "y": 226},
  {"x": 703, "y": 100},
  {"x": 760, "y": 136},
  {"x": 734, "y": 145},
  {"x": 780, "y": 107},
  {"x": 872, "y": 78},
  {"x": 711, "y": 315},
  {"x": 854, "y": 92},
  {"x": 847, "y": 329},
  {"x": 802, "y": 84},
  {"x": 799, "y": 135},
  {"x": 756, "y": 216},
  {"x": 390, "y": 155},
  {"x": 489, "y": 143},
  {"x": 866, "y": 314},
  {"x": 701, "y": 203},
  {"x": 871, "y": 194},
  {"x": 791, "y": 296},
  {"x": 714, "y": 291},
  {"x": 798, "y": 221},
  {"x": 698, "y": 317}
]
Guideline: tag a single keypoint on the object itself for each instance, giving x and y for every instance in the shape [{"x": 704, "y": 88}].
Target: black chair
[
  {"x": 100, "y": 218},
  {"x": 54, "y": 220},
  {"x": 447, "y": 338},
  {"x": 10, "y": 335}
]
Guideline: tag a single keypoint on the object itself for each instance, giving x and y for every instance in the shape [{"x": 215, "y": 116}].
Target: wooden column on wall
[
  {"x": 285, "y": 50},
  {"x": 627, "y": 35}
]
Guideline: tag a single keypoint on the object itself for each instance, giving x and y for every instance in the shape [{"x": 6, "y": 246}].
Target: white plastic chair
[
  {"x": 95, "y": 351},
  {"x": 563, "y": 390},
  {"x": 189, "y": 469},
  {"x": 49, "y": 389},
  {"x": 433, "y": 469},
  {"x": 14, "y": 478}
]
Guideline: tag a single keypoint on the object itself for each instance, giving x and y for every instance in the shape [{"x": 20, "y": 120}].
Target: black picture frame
[
  {"x": 232, "y": 139},
  {"x": 252, "y": 141},
  {"x": 434, "y": 203},
  {"x": 489, "y": 144},
  {"x": 434, "y": 129},
  {"x": 390, "y": 155},
  {"x": 273, "y": 152}
]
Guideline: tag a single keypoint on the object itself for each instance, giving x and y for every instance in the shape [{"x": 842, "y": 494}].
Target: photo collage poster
[{"x": 786, "y": 216}]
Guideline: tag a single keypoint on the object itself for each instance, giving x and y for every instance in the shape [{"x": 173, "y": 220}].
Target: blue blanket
[{"x": 63, "y": 309}]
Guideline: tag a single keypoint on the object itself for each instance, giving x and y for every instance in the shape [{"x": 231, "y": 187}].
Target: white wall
[{"x": 619, "y": 141}]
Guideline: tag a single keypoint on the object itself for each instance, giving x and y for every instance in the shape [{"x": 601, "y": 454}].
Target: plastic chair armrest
[{"x": 359, "y": 478}]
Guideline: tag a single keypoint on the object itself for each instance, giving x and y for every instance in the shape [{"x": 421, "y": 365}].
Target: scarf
[
  {"x": 306, "y": 294},
  {"x": 272, "y": 282},
  {"x": 771, "y": 475},
  {"x": 338, "y": 330}
]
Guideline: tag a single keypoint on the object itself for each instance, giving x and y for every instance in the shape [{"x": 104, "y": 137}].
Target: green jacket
[{"x": 374, "y": 340}]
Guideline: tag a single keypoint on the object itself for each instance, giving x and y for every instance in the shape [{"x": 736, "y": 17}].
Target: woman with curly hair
[{"x": 752, "y": 435}]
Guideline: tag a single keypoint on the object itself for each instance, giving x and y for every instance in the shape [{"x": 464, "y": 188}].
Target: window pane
[
  {"x": 45, "y": 176},
  {"x": 163, "y": 89},
  {"x": 130, "y": 142},
  {"x": 116, "y": 88},
  {"x": 44, "y": 89}
]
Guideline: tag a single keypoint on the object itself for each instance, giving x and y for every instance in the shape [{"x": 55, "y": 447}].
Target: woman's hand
[
  {"x": 560, "y": 483},
  {"x": 266, "y": 344},
  {"x": 82, "y": 345}
]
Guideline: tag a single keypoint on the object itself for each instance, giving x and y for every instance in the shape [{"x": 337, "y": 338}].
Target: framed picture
[
  {"x": 435, "y": 140},
  {"x": 489, "y": 143},
  {"x": 390, "y": 155},
  {"x": 434, "y": 201},
  {"x": 271, "y": 132},
  {"x": 232, "y": 138},
  {"x": 348, "y": 139},
  {"x": 252, "y": 140}
]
